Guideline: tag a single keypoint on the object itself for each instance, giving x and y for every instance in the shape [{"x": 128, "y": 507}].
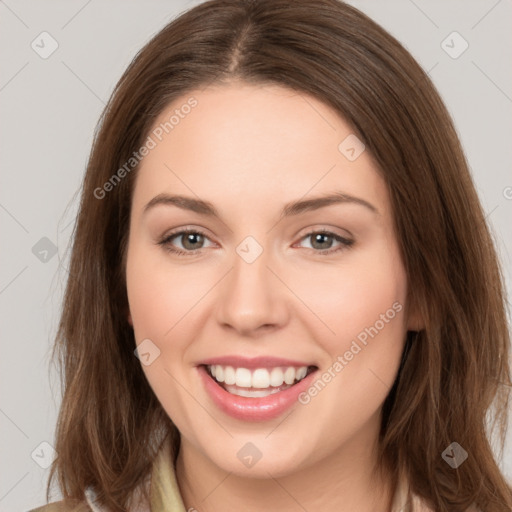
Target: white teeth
[
  {"x": 260, "y": 378},
  {"x": 289, "y": 375},
  {"x": 276, "y": 377},
  {"x": 243, "y": 377},
  {"x": 229, "y": 375},
  {"x": 301, "y": 373}
]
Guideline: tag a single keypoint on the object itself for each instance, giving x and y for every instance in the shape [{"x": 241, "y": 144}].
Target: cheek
[
  {"x": 349, "y": 298},
  {"x": 167, "y": 304},
  {"x": 159, "y": 295},
  {"x": 159, "y": 299},
  {"x": 363, "y": 303}
]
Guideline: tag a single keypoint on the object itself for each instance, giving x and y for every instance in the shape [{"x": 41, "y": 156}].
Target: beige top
[{"x": 166, "y": 497}]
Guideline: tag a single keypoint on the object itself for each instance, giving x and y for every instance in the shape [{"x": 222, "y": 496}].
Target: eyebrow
[{"x": 289, "y": 209}]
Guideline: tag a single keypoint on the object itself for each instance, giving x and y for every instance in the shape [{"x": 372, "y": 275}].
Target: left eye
[{"x": 323, "y": 241}]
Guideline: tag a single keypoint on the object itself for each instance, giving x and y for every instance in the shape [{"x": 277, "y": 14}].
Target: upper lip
[{"x": 253, "y": 362}]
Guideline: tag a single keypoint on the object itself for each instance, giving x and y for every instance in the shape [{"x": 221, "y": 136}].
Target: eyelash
[{"x": 165, "y": 242}]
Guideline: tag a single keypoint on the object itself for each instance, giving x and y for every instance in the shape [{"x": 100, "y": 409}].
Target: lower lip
[{"x": 253, "y": 409}]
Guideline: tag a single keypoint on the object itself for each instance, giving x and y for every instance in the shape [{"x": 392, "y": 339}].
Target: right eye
[{"x": 190, "y": 239}]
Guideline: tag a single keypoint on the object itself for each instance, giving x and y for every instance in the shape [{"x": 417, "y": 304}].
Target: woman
[{"x": 277, "y": 216}]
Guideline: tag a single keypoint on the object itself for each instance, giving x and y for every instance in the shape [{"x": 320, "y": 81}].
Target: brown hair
[{"x": 454, "y": 372}]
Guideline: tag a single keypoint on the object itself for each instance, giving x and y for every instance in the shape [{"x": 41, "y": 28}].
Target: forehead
[{"x": 253, "y": 143}]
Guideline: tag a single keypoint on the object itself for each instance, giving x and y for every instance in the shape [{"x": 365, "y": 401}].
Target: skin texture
[{"x": 249, "y": 150}]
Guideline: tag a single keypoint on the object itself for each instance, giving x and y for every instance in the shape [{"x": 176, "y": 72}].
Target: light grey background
[{"x": 49, "y": 109}]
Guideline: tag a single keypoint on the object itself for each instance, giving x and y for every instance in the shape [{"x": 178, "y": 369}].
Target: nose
[{"x": 251, "y": 299}]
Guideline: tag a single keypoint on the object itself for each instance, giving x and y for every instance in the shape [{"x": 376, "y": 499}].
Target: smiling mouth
[{"x": 259, "y": 382}]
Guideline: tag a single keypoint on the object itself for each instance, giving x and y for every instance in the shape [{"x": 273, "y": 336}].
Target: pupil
[
  {"x": 319, "y": 238},
  {"x": 190, "y": 238}
]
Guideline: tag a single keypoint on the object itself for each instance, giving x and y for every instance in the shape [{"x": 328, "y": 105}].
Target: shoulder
[{"x": 64, "y": 506}]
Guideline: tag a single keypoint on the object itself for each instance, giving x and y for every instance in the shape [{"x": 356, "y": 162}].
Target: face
[{"x": 298, "y": 308}]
